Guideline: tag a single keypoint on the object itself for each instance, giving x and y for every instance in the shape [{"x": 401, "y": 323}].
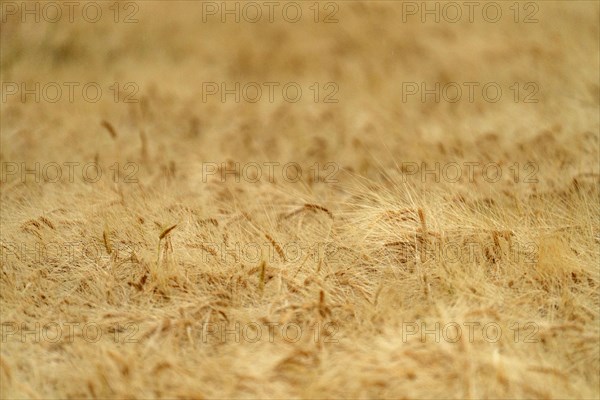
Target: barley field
[{"x": 328, "y": 200}]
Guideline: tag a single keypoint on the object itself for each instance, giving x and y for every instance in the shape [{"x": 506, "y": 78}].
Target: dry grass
[{"x": 356, "y": 262}]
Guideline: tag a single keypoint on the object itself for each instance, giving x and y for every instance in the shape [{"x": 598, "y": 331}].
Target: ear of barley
[
  {"x": 261, "y": 282},
  {"x": 106, "y": 239},
  {"x": 160, "y": 238},
  {"x": 166, "y": 231}
]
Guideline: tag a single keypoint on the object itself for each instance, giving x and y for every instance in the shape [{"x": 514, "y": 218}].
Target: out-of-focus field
[{"x": 329, "y": 285}]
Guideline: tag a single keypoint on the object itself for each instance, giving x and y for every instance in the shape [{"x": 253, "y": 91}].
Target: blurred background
[{"x": 360, "y": 66}]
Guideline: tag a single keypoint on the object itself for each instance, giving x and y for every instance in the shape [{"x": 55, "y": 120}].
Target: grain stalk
[
  {"x": 160, "y": 238},
  {"x": 261, "y": 281}
]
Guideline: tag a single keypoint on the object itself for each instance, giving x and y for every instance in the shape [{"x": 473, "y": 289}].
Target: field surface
[{"x": 352, "y": 200}]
